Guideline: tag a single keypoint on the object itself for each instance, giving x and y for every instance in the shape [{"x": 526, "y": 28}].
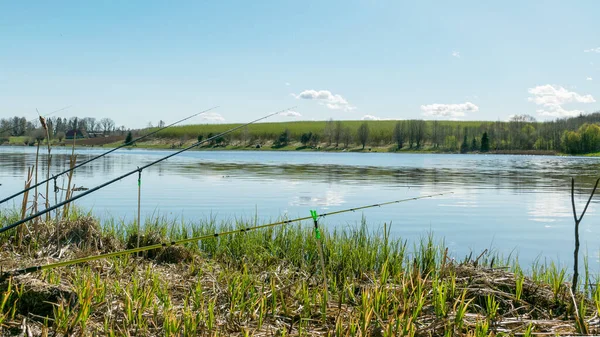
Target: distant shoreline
[{"x": 298, "y": 147}]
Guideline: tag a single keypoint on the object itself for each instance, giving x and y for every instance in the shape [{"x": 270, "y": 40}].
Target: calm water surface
[{"x": 513, "y": 204}]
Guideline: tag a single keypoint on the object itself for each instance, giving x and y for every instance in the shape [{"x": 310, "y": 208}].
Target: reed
[
  {"x": 24, "y": 204},
  {"x": 269, "y": 282}
]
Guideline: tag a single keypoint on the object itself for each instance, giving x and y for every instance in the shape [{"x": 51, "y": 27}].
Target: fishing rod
[
  {"x": 203, "y": 237},
  {"x": 102, "y": 155},
  {"x": 47, "y": 115},
  {"x": 139, "y": 169}
]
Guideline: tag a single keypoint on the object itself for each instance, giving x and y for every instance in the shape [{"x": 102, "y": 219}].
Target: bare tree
[
  {"x": 107, "y": 125},
  {"x": 363, "y": 134},
  {"x": 90, "y": 124},
  {"x": 337, "y": 133},
  {"x": 419, "y": 132},
  {"x": 400, "y": 133},
  {"x": 436, "y": 134},
  {"x": 328, "y": 131},
  {"x": 410, "y": 125},
  {"x": 347, "y": 136}
]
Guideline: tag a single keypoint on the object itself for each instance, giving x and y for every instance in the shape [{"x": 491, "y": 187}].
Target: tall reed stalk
[
  {"x": 72, "y": 161},
  {"x": 24, "y": 204},
  {"x": 48, "y": 164},
  {"x": 35, "y": 195}
]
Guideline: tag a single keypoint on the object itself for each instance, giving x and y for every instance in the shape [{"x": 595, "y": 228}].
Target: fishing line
[
  {"x": 110, "y": 182},
  {"x": 106, "y": 153},
  {"x": 139, "y": 219},
  {"x": 315, "y": 217},
  {"x": 199, "y": 238}
]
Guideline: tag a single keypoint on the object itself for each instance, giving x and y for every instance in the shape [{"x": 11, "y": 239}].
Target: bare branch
[
  {"x": 589, "y": 200},
  {"x": 573, "y": 200}
]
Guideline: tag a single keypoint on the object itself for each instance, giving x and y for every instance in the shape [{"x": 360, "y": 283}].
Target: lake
[{"x": 512, "y": 204}]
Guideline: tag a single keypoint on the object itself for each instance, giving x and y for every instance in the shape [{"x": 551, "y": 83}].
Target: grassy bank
[
  {"x": 269, "y": 283},
  {"x": 174, "y": 144},
  {"x": 98, "y": 141},
  {"x": 574, "y": 135}
]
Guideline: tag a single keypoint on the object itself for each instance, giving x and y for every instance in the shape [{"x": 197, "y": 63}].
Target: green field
[
  {"x": 17, "y": 140},
  {"x": 271, "y": 130},
  {"x": 522, "y": 134},
  {"x": 574, "y": 135}
]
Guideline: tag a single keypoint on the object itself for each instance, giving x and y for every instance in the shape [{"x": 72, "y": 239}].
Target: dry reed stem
[
  {"x": 283, "y": 283},
  {"x": 24, "y": 204}
]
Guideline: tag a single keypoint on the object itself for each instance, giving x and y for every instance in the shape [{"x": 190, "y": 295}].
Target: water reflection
[
  {"x": 516, "y": 202},
  {"x": 530, "y": 180},
  {"x": 517, "y": 173},
  {"x": 549, "y": 207},
  {"x": 330, "y": 198}
]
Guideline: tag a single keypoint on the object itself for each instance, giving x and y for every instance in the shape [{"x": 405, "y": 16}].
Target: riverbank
[
  {"x": 176, "y": 144},
  {"x": 162, "y": 143},
  {"x": 269, "y": 282},
  {"x": 172, "y": 145}
]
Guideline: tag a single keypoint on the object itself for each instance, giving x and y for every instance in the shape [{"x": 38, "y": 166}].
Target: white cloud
[
  {"x": 213, "y": 117},
  {"x": 325, "y": 97},
  {"x": 592, "y": 50},
  {"x": 558, "y": 111},
  {"x": 456, "y": 53},
  {"x": 370, "y": 118},
  {"x": 552, "y": 98},
  {"x": 449, "y": 110},
  {"x": 589, "y": 78},
  {"x": 287, "y": 84},
  {"x": 549, "y": 95},
  {"x": 290, "y": 113}
]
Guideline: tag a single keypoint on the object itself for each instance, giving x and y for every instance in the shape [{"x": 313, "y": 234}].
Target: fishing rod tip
[{"x": 9, "y": 274}]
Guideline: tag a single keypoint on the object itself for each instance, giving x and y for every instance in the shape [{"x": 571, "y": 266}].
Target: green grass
[
  {"x": 448, "y": 140},
  {"x": 17, "y": 140},
  {"x": 22, "y": 140},
  {"x": 269, "y": 282},
  {"x": 437, "y": 136},
  {"x": 377, "y": 129}
]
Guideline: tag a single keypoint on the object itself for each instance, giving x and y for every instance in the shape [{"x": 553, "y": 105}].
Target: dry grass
[{"x": 269, "y": 283}]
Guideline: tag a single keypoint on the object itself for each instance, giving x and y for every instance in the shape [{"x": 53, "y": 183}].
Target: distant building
[{"x": 75, "y": 133}]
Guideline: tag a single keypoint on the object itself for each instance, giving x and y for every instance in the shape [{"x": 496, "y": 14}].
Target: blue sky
[{"x": 142, "y": 61}]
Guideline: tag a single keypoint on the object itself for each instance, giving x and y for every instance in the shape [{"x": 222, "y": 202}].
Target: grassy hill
[{"x": 522, "y": 133}]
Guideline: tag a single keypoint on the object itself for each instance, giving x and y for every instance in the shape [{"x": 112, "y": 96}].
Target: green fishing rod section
[
  {"x": 110, "y": 182},
  {"x": 314, "y": 216},
  {"x": 103, "y": 154}
]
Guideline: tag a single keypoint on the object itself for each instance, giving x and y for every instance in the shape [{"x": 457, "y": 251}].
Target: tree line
[
  {"x": 573, "y": 135},
  {"x": 579, "y": 134},
  {"x": 57, "y": 126}
]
